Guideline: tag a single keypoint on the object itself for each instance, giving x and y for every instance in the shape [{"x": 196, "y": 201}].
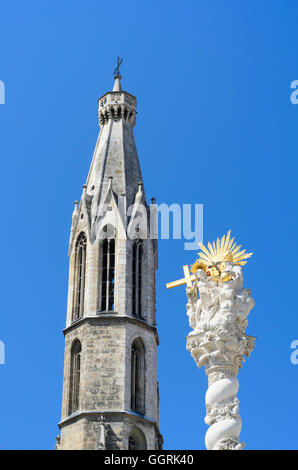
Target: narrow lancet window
[
  {"x": 80, "y": 276},
  {"x": 108, "y": 269},
  {"x": 138, "y": 377},
  {"x": 137, "y": 255},
  {"x": 75, "y": 371}
]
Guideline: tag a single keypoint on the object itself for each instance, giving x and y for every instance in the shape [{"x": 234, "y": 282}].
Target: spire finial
[
  {"x": 117, "y": 76},
  {"x": 75, "y": 209},
  {"x": 117, "y": 71},
  {"x": 110, "y": 181}
]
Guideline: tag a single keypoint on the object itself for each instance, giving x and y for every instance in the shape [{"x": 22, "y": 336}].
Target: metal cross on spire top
[{"x": 117, "y": 71}]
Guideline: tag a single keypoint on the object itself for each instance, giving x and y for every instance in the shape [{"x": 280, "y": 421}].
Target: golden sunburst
[{"x": 212, "y": 259}]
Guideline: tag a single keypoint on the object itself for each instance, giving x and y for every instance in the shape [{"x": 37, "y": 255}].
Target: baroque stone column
[{"x": 219, "y": 343}]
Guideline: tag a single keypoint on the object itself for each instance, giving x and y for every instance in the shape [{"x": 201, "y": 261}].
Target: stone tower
[{"x": 110, "y": 388}]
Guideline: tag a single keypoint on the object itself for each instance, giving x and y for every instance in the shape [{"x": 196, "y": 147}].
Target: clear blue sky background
[{"x": 215, "y": 126}]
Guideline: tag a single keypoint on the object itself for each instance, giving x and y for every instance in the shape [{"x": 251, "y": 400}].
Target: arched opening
[
  {"x": 80, "y": 274},
  {"x": 137, "y": 264},
  {"x": 137, "y": 440},
  {"x": 138, "y": 376},
  {"x": 108, "y": 268},
  {"x": 75, "y": 372}
]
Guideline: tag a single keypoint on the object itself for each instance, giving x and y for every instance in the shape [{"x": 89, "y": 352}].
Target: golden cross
[{"x": 186, "y": 280}]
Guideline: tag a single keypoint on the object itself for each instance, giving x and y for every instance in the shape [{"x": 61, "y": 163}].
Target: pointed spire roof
[
  {"x": 115, "y": 157},
  {"x": 117, "y": 83}
]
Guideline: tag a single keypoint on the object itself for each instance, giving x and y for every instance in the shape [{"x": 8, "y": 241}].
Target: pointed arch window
[
  {"x": 137, "y": 257},
  {"x": 75, "y": 375},
  {"x": 137, "y": 440},
  {"x": 138, "y": 377},
  {"x": 108, "y": 269},
  {"x": 80, "y": 276}
]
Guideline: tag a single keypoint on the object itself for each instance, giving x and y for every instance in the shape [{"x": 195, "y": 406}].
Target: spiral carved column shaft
[
  {"x": 219, "y": 343},
  {"x": 222, "y": 416}
]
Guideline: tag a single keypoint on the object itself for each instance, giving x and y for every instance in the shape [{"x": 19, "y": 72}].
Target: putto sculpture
[{"x": 218, "y": 341}]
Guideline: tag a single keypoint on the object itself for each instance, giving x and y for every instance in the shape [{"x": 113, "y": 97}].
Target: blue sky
[{"x": 215, "y": 126}]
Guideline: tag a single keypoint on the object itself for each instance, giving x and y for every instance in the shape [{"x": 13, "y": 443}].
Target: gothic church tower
[{"x": 110, "y": 388}]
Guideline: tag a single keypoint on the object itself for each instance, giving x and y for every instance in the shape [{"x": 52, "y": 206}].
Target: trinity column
[{"x": 218, "y": 340}]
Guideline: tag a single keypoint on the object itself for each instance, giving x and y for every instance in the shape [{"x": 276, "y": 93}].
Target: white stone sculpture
[
  {"x": 219, "y": 343},
  {"x": 102, "y": 444}
]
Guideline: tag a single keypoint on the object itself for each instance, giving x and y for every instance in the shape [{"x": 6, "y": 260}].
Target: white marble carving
[
  {"x": 102, "y": 445},
  {"x": 218, "y": 342}
]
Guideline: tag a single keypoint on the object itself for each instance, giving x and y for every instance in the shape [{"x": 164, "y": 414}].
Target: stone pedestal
[{"x": 219, "y": 343}]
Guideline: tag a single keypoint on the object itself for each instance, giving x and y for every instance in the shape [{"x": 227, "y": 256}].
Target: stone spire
[
  {"x": 110, "y": 388},
  {"x": 115, "y": 153}
]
